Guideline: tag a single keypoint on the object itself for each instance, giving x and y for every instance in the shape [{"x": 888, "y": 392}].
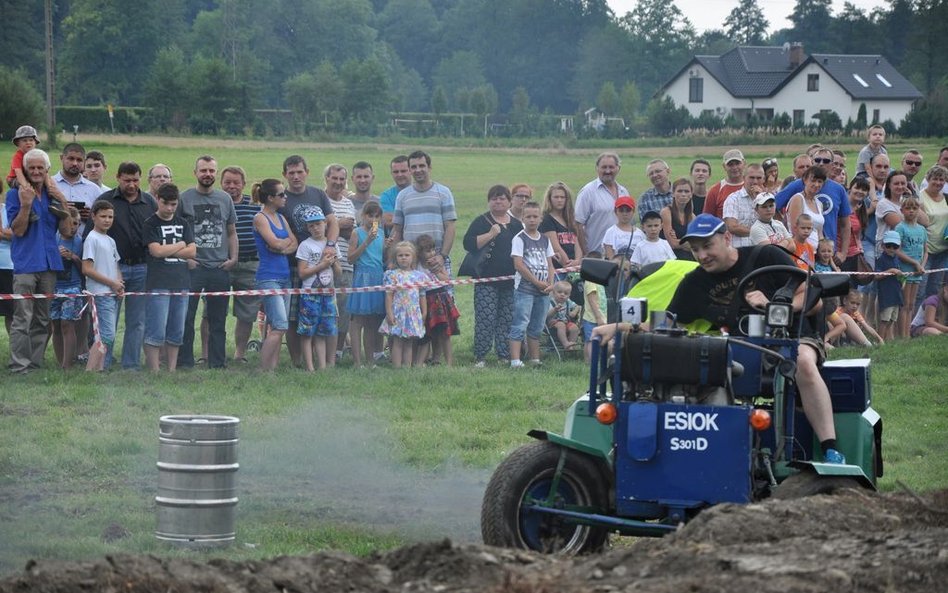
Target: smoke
[{"x": 331, "y": 461}]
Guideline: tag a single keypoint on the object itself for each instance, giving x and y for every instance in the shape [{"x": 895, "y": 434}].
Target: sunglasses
[
  {"x": 822, "y": 161},
  {"x": 769, "y": 163},
  {"x": 913, "y": 163}
]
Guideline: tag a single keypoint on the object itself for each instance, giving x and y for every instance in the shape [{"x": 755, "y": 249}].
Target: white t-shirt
[
  {"x": 101, "y": 250},
  {"x": 649, "y": 252},
  {"x": 311, "y": 252},
  {"x": 618, "y": 239},
  {"x": 772, "y": 232}
]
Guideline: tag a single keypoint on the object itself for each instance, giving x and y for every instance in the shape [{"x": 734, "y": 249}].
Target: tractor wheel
[
  {"x": 526, "y": 475},
  {"x": 808, "y": 483}
]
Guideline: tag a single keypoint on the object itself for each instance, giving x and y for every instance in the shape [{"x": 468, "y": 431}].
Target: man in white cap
[
  {"x": 732, "y": 182},
  {"x": 720, "y": 268}
]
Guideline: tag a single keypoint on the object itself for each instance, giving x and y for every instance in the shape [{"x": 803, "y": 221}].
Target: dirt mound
[{"x": 853, "y": 541}]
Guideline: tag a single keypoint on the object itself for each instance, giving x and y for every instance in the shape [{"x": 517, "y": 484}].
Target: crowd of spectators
[{"x": 68, "y": 233}]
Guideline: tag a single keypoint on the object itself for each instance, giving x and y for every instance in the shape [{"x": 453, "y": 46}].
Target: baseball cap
[
  {"x": 703, "y": 227},
  {"x": 314, "y": 214},
  {"x": 892, "y": 237},
  {"x": 624, "y": 201},
  {"x": 733, "y": 155},
  {"x": 25, "y": 132},
  {"x": 764, "y": 197}
]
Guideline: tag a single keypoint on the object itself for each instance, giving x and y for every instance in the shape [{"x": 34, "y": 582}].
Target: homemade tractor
[{"x": 690, "y": 421}]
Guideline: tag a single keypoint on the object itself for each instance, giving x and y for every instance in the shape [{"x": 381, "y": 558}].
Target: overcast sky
[{"x": 710, "y": 14}]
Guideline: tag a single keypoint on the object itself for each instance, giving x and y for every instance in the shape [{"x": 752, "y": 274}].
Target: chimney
[{"x": 796, "y": 54}]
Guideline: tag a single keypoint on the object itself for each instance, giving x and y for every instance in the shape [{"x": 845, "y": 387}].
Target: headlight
[{"x": 779, "y": 314}]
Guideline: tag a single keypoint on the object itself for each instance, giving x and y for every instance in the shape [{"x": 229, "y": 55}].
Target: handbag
[
  {"x": 862, "y": 266},
  {"x": 475, "y": 262}
]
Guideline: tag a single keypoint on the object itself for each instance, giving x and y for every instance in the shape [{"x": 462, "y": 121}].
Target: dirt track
[{"x": 849, "y": 542}]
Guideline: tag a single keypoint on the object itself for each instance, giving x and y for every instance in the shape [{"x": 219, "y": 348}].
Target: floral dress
[{"x": 406, "y": 304}]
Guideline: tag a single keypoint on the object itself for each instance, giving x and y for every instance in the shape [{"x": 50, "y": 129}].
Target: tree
[
  {"x": 854, "y": 32},
  {"x": 927, "y": 46},
  {"x": 301, "y": 95},
  {"x": 20, "y": 102},
  {"x": 167, "y": 92},
  {"x": 662, "y": 38},
  {"x": 630, "y": 101},
  {"x": 861, "y": 122},
  {"x": 366, "y": 94},
  {"x": 608, "y": 99},
  {"x": 460, "y": 72},
  {"x": 664, "y": 119},
  {"x": 604, "y": 54},
  {"x": 746, "y": 25},
  {"x": 811, "y": 24},
  {"x": 400, "y": 24}
]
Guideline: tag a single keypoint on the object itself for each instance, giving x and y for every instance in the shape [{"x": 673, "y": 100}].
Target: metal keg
[{"x": 197, "y": 467}]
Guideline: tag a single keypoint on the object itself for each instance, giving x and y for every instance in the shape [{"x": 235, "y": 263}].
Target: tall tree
[
  {"x": 604, "y": 54},
  {"x": 459, "y": 74},
  {"x": 412, "y": 28},
  {"x": 166, "y": 91},
  {"x": 811, "y": 25},
  {"x": 854, "y": 32},
  {"x": 746, "y": 24},
  {"x": 928, "y": 45},
  {"x": 608, "y": 99},
  {"x": 662, "y": 38},
  {"x": 897, "y": 25}
]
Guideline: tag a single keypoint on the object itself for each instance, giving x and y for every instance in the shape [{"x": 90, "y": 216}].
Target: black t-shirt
[
  {"x": 702, "y": 295},
  {"x": 169, "y": 273}
]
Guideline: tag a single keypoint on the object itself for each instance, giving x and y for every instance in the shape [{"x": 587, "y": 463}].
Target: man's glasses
[
  {"x": 822, "y": 161},
  {"x": 913, "y": 163}
]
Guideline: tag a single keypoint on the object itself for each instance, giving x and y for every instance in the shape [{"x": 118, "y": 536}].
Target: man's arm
[
  {"x": 21, "y": 221},
  {"x": 232, "y": 248},
  {"x": 844, "y": 232},
  {"x": 450, "y": 230}
]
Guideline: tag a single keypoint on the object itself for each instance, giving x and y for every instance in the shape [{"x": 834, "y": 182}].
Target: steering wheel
[{"x": 775, "y": 269}]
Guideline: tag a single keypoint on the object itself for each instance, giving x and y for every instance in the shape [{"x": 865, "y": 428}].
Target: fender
[
  {"x": 578, "y": 446},
  {"x": 833, "y": 469}
]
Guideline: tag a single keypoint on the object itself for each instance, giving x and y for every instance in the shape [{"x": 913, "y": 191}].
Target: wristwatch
[{"x": 330, "y": 243}]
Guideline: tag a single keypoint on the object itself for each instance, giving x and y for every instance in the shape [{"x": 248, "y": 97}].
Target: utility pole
[{"x": 50, "y": 77}]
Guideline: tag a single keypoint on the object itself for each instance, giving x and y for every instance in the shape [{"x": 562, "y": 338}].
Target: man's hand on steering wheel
[{"x": 757, "y": 300}]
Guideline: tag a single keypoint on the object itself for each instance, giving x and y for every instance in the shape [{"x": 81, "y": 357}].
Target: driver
[{"x": 721, "y": 268}]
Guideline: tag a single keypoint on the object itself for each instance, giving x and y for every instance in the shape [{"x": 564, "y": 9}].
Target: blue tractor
[{"x": 674, "y": 423}]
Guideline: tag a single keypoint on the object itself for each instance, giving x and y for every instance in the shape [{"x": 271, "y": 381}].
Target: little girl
[
  {"x": 405, "y": 310},
  {"x": 912, "y": 257},
  {"x": 441, "y": 321},
  {"x": 824, "y": 257},
  {"x": 366, "y": 248}
]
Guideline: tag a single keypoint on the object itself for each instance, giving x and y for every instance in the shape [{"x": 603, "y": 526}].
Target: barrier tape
[{"x": 350, "y": 290}]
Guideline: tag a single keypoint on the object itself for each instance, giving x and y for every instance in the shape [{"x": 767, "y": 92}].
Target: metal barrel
[{"x": 197, "y": 467}]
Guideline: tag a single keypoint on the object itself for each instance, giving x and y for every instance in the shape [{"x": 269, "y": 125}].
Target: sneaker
[
  {"x": 516, "y": 364},
  {"x": 834, "y": 456},
  {"x": 480, "y": 364},
  {"x": 58, "y": 210}
]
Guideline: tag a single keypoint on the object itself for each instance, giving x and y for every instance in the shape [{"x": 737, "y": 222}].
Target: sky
[{"x": 710, "y": 14}]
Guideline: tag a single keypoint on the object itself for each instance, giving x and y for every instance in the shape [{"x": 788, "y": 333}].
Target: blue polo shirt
[{"x": 37, "y": 250}]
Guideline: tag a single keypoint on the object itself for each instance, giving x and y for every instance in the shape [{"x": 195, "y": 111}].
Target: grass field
[{"x": 344, "y": 459}]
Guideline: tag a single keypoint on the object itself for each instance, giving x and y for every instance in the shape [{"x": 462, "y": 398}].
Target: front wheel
[{"x": 525, "y": 478}]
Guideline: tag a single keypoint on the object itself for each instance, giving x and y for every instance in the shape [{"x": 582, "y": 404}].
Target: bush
[{"x": 20, "y": 103}]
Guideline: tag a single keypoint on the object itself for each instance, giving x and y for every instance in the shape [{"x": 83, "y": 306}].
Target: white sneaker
[{"x": 516, "y": 364}]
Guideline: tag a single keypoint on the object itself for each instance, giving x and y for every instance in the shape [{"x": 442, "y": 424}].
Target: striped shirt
[
  {"x": 424, "y": 212},
  {"x": 246, "y": 247}
]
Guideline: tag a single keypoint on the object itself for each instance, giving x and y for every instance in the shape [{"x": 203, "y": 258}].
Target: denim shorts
[
  {"x": 275, "y": 306},
  {"x": 529, "y": 314},
  {"x": 164, "y": 317}
]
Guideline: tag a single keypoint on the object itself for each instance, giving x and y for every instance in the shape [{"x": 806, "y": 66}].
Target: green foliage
[
  {"x": 166, "y": 91},
  {"x": 930, "y": 115},
  {"x": 20, "y": 103},
  {"x": 746, "y": 24},
  {"x": 663, "y": 118},
  {"x": 608, "y": 99},
  {"x": 828, "y": 121},
  {"x": 459, "y": 74}
]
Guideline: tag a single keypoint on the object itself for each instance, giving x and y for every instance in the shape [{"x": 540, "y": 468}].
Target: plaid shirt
[{"x": 740, "y": 206}]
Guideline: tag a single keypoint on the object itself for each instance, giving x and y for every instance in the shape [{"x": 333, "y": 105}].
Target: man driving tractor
[{"x": 720, "y": 269}]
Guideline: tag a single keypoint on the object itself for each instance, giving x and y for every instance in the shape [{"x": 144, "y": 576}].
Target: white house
[{"x": 768, "y": 81}]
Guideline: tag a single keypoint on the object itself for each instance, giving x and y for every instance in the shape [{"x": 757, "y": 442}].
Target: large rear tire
[
  {"x": 809, "y": 483},
  {"x": 526, "y": 475}
]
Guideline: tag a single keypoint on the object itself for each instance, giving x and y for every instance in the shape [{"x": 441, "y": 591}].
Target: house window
[
  {"x": 812, "y": 83},
  {"x": 876, "y": 116},
  {"x": 798, "y": 118},
  {"x": 696, "y": 90}
]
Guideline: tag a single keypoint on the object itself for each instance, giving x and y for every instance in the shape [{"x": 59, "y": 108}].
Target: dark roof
[
  {"x": 874, "y": 71},
  {"x": 762, "y": 71}
]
